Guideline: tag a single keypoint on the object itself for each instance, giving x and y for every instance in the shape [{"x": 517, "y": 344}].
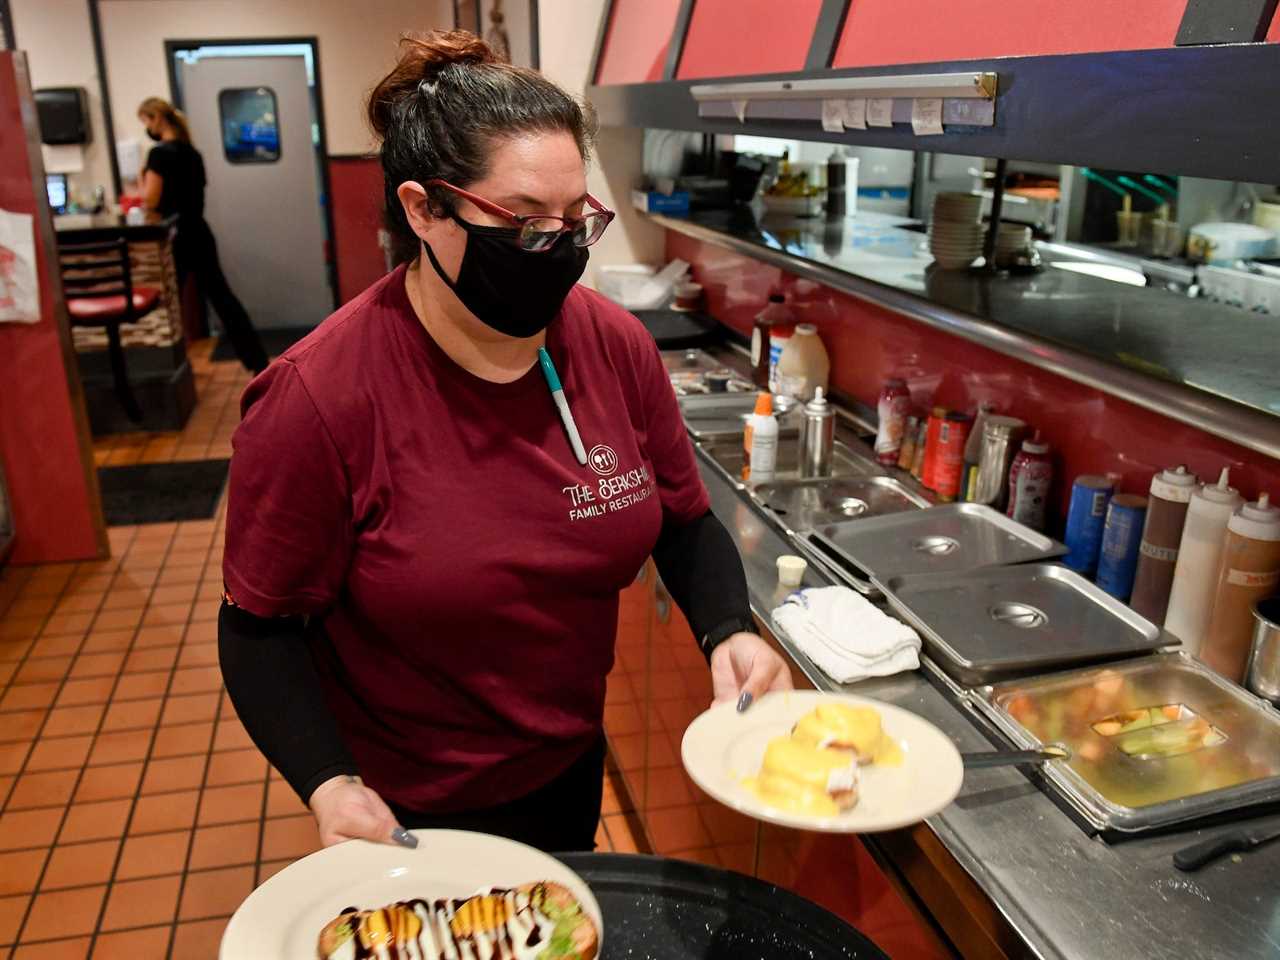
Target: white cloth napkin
[{"x": 847, "y": 635}]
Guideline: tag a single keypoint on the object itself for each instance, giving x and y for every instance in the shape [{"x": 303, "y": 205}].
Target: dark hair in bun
[{"x": 441, "y": 107}]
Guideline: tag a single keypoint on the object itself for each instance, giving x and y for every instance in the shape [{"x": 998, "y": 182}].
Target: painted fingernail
[
  {"x": 744, "y": 701},
  {"x": 403, "y": 837}
]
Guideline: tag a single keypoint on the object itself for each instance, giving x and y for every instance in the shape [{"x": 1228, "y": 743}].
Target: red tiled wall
[
  {"x": 635, "y": 48},
  {"x": 1091, "y": 432},
  {"x": 878, "y": 32},
  {"x": 355, "y": 185},
  {"x": 54, "y": 506},
  {"x": 740, "y": 37}
]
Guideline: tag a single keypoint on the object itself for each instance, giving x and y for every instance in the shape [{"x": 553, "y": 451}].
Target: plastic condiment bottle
[
  {"x": 973, "y": 450},
  {"x": 1249, "y": 571},
  {"x": 804, "y": 365},
  {"x": 1161, "y": 534},
  {"x": 1199, "y": 556},
  {"x": 1030, "y": 476},
  {"x": 760, "y": 442},
  {"x": 892, "y": 409},
  {"x": 774, "y": 318}
]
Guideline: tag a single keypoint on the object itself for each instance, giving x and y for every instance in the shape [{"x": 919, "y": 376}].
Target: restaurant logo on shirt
[
  {"x": 613, "y": 492},
  {"x": 603, "y": 460}
]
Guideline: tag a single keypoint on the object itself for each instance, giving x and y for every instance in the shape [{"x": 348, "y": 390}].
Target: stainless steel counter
[{"x": 1066, "y": 894}]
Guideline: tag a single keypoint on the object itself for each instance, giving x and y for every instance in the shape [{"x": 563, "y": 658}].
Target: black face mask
[
  {"x": 153, "y": 135},
  {"x": 514, "y": 291}
]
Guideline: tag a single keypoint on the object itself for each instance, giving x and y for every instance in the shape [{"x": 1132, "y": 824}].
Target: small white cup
[{"x": 791, "y": 570}]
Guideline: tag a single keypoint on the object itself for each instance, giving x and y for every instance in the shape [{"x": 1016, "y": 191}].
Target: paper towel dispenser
[{"x": 64, "y": 114}]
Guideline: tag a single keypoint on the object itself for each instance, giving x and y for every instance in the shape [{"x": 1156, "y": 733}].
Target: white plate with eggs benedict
[{"x": 833, "y": 763}]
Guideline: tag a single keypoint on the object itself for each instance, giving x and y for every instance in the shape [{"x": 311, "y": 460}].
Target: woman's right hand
[{"x": 345, "y": 809}]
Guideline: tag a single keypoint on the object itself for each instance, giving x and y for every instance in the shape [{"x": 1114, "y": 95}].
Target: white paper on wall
[
  {"x": 129, "y": 157},
  {"x": 19, "y": 285},
  {"x": 63, "y": 157}
]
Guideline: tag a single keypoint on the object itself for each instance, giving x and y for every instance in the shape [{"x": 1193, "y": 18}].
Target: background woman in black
[{"x": 173, "y": 182}]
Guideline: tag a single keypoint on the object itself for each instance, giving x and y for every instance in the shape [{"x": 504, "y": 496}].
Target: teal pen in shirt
[{"x": 562, "y": 404}]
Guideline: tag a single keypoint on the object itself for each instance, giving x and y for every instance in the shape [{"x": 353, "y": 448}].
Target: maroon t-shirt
[{"x": 465, "y": 565}]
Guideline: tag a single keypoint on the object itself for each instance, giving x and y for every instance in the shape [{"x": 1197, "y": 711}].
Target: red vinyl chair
[{"x": 98, "y": 283}]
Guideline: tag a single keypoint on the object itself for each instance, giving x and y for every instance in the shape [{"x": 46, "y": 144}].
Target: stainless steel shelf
[{"x": 1213, "y": 414}]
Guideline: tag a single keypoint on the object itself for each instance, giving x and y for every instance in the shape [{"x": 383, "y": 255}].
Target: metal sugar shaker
[
  {"x": 817, "y": 437},
  {"x": 1000, "y": 439}
]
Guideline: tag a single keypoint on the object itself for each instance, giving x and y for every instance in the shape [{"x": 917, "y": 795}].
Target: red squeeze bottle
[{"x": 1030, "y": 477}]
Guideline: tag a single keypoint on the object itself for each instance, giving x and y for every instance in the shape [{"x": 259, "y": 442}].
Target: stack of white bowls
[
  {"x": 955, "y": 237},
  {"x": 1011, "y": 240}
]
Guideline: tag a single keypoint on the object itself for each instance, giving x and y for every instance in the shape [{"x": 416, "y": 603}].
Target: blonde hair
[{"x": 159, "y": 107}]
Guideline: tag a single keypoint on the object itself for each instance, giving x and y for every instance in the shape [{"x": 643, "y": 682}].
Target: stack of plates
[{"x": 955, "y": 239}]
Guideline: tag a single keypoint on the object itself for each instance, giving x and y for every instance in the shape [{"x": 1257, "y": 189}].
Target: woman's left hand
[{"x": 746, "y": 664}]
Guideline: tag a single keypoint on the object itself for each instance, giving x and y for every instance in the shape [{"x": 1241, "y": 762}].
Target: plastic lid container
[{"x": 791, "y": 570}]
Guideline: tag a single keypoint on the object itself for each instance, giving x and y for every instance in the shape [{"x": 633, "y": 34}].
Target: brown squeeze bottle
[
  {"x": 1249, "y": 571},
  {"x": 1158, "y": 554},
  {"x": 775, "y": 313}
]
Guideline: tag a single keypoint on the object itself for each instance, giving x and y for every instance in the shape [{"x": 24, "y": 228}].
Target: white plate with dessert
[
  {"x": 834, "y": 763},
  {"x": 457, "y": 895}
]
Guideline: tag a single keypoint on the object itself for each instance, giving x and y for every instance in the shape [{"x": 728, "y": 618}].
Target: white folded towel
[{"x": 847, "y": 635}]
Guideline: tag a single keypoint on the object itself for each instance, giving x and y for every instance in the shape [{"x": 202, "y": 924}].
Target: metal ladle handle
[{"x": 1005, "y": 758}]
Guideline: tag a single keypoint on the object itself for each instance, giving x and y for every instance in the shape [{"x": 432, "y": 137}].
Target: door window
[{"x": 250, "y": 124}]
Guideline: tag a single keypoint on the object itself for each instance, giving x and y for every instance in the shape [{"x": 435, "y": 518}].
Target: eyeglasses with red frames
[{"x": 539, "y": 232}]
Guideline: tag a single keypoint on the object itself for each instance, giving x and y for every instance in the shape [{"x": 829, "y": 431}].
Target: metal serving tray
[
  {"x": 723, "y": 415},
  {"x": 1154, "y": 741},
  {"x": 804, "y": 505},
  {"x": 728, "y": 456},
  {"x": 944, "y": 539},
  {"x": 985, "y": 625}
]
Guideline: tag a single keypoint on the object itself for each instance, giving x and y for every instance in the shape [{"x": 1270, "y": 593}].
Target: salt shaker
[{"x": 817, "y": 436}]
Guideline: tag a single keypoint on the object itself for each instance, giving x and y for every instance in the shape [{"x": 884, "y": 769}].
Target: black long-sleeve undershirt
[{"x": 273, "y": 683}]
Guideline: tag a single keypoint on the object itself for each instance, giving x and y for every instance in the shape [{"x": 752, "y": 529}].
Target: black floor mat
[
  {"x": 275, "y": 342},
  {"x": 162, "y": 492}
]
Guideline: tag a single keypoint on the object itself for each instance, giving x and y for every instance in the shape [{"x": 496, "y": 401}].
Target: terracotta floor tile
[
  {"x": 187, "y": 558},
  {"x": 19, "y": 870},
  {"x": 64, "y": 913},
  {"x": 290, "y": 837},
  {"x": 206, "y": 609},
  {"x": 28, "y": 607},
  {"x": 199, "y": 655},
  {"x": 95, "y": 583},
  {"x": 21, "y": 725},
  {"x": 176, "y": 576},
  {"x": 153, "y": 855},
  {"x": 183, "y": 593},
  {"x": 7, "y": 670},
  {"x": 67, "y": 623},
  {"x": 602, "y": 839},
  {"x": 59, "y": 753},
  {"x": 668, "y": 788},
  {"x": 149, "y": 638},
  {"x": 190, "y": 708},
  {"x": 198, "y": 939},
  {"x": 196, "y": 680},
  {"x": 48, "y": 789},
  {"x": 173, "y": 773},
  {"x": 270, "y": 868},
  {"x": 215, "y": 893},
  {"x": 95, "y": 690},
  {"x": 231, "y": 804},
  {"x": 77, "y": 864},
  {"x": 151, "y": 659},
  {"x": 97, "y": 665},
  {"x": 739, "y": 857},
  {"x": 14, "y": 755},
  {"x": 183, "y": 739},
  {"x": 43, "y": 670},
  {"x": 203, "y": 632},
  {"x": 677, "y": 828},
  {"x": 228, "y": 845},
  {"x": 132, "y": 715},
  {"x": 140, "y": 903},
  {"x": 68, "y": 721},
  {"x": 57, "y": 646},
  {"x": 231, "y": 735},
  {"x": 164, "y": 811},
  {"x": 620, "y": 833},
  {"x": 12, "y": 910},
  {"x": 122, "y": 597},
  {"x": 29, "y": 696},
  {"x": 238, "y": 766},
  {"x": 24, "y": 829},
  {"x": 18, "y": 627},
  {"x": 167, "y": 614},
  {"x": 118, "y": 619},
  {"x": 727, "y": 826},
  {"x": 705, "y": 855},
  {"x": 79, "y": 603},
  {"x": 120, "y": 747},
  {"x": 75, "y": 948},
  {"x": 95, "y": 821},
  {"x": 148, "y": 943},
  {"x": 107, "y": 641},
  {"x": 140, "y": 686},
  {"x": 111, "y": 782}
]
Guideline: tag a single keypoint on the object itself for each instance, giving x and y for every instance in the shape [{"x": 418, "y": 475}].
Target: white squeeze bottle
[
  {"x": 1195, "y": 578},
  {"x": 761, "y": 442}
]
